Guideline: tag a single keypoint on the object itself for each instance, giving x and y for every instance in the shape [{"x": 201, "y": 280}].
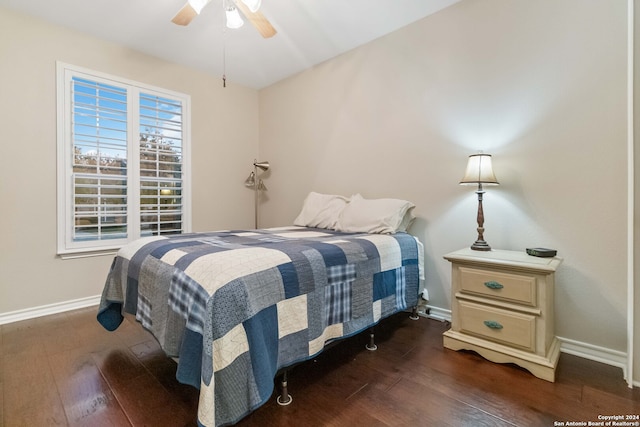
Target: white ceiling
[{"x": 309, "y": 31}]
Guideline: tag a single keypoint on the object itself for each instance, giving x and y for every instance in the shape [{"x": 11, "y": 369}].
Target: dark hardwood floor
[{"x": 65, "y": 369}]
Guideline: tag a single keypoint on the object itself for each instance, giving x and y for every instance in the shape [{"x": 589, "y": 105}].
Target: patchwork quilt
[{"x": 237, "y": 306}]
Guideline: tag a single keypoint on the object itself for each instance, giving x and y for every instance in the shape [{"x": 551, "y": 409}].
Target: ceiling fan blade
[
  {"x": 185, "y": 15},
  {"x": 257, "y": 19}
]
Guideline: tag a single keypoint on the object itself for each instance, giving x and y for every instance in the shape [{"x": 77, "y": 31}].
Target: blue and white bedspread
[{"x": 236, "y": 306}]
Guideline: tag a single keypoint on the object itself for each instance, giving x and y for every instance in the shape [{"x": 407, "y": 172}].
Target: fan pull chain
[{"x": 224, "y": 57}]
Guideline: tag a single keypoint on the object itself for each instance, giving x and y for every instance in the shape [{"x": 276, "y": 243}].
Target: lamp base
[{"x": 480, "y": 245}]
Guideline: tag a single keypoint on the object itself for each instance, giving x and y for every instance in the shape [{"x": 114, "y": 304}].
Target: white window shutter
[{"x": 122, "y": 161}]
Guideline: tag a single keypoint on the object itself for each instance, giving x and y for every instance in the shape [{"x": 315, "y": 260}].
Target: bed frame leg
[
  {"x": 414, "y": 314},
  {"x": 371, "y": 346},
  {"x": 284, "y": 398}
]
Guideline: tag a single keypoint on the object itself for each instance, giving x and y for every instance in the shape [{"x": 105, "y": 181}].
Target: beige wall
[
  {"x": 224, "y": 135},
  {"x": 540, "y": 85}
]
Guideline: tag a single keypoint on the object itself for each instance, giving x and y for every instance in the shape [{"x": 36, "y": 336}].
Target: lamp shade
[
  {"x": 198, "y": 5},
  {"x": 262, "y": 165},
  {"x": 479, "y": 170},
  {"x": 251, "y": 180},
  {"x": 233, "y": 18}
]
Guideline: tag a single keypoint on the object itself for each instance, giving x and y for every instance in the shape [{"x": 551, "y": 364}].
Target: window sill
[{"x": 87, "y": 253}]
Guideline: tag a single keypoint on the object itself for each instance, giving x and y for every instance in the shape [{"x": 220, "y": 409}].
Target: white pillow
[
  {"x": 321, "y": 210},
  {"x": 375, "y": 215}
]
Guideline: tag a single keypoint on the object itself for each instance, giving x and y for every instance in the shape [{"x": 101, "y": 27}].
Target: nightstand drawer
[
  {"x": 507, "y": 327},
  {"x": 496, "y": 285}
]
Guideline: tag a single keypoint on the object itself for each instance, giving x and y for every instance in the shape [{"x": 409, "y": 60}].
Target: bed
[{"x": 235, "y": 307}]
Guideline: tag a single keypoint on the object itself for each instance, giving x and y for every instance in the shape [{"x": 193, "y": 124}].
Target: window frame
[{"x": 67, "y": 247}]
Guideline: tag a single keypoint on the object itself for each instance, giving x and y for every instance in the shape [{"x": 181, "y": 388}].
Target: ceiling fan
[{"x": 249, "y": 9}]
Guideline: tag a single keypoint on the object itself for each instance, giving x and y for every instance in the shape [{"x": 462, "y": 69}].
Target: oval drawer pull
[
  {"x": 492, "y": 324},
  {"x": 493, "y": 285}
]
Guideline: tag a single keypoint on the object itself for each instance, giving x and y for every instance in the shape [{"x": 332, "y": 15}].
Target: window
[{"x": 123, "y": 161}]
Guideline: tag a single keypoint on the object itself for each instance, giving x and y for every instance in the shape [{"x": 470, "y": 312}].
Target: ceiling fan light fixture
[
  {"x": 198, "y": 5},
  {"x": 233, "y": 18},
  {"x": 253, "y": 5}
]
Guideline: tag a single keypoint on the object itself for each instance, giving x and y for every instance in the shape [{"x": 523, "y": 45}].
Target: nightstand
[{"x": 502, "y": 308}]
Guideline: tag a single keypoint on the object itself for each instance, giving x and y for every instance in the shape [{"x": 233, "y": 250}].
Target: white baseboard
[
  {"x": 596, "y": 353},
  {"x": 573, "y": 347},
  {"x": 44, "y": 310},
  {"x": 576, "y": 348},
  {"x": 435, "y": 313}
]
